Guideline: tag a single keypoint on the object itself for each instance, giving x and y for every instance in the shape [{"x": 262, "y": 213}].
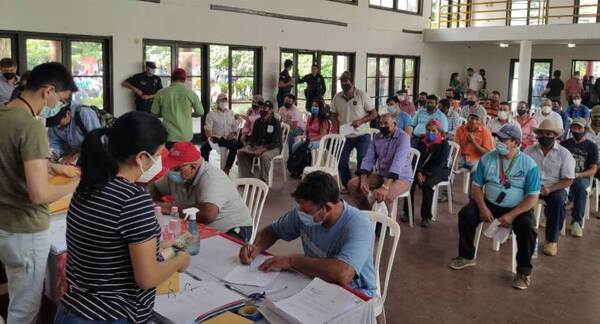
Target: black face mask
[
  {"x": 471, "y": 103},
  {"x": 521, "y": 112},
  {"x": 449, "y": 97},
  {"x": 287, "y": 105},
  {"x": 384, "y": 131},
  {"x": 346, "y": 87},
  {"x": 263, "y": 114},
  {"x": 545, "y": 141},
  {"x": 578, "y": 135},
  {"x": 9, "y": 75}
]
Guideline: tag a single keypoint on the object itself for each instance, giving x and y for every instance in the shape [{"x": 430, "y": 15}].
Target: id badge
[{"x": 270, "y": 129}]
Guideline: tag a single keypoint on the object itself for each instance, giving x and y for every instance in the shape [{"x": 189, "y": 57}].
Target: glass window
[
  {"x": 540, "y": 74},
  {"x": 219, "y": 71},
  {"x": 327, "y": 73},
  {"x": 587, "y": 11},
  {"x": 587, "y": 68},
  {"x": 161, "y": 55},
  {"x": 40, "y": 51},
  {"x": 383, "y": 69},
  {"x": 242, "y": 79},
  {"x": 87, "y": 66},
  {"x": 5, "y": 47},
  {"x": 190, "y": 59},
  {"x": 404, "y": 5}
]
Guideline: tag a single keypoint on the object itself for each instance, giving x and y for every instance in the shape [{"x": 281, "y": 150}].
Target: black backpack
[
  {"x": 105, "y": 118},
  {"x": 299, "y": 159}
]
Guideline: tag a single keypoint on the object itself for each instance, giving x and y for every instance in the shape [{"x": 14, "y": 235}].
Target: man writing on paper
[{"x": 337, "y": 238}]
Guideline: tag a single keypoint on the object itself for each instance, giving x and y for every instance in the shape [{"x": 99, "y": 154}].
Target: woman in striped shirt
[{"x": 112, "y": 234}]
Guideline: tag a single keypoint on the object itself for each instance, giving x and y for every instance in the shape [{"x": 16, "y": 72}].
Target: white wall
[{"x": 130, "y": 21}]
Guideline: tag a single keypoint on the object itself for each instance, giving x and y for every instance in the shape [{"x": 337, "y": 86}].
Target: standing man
[
  {"x": 512, "y": 187},
  {"x": 8, "y": 79},
  {"x": 352, "y": 107},
  {"x": 175, "y": 105},
  {"x": 285, "y": 82},
  {"x": 554, "y": 87},
  {"x": 25, "y": 190},
  {"x": 144, "y": 87},
  {"x": 315, "y": 86},
  {"x": 573, "y": 87},
  {"x": 474, "y": 81},
  {"x": 221, "y": 128}
]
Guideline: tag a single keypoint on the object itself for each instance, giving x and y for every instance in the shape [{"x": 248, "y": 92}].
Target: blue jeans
[
  {"x": 555, "y": 214},
  {"x": 63, "y": 316},
  {"x": 292, "y": 136},
  {"x": 579, "y": 196},
  {"x": 361, "y": 144}
]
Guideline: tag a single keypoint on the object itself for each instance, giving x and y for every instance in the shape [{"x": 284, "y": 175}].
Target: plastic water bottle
[
  {"x": 174, "y": 212},
  {"x": 157, "y": 212},
  {"x": 194, "y": 247},
  {"x": 535, "y": 249}
]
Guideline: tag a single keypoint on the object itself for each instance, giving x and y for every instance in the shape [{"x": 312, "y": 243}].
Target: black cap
[{"x": 150, "y": 65}]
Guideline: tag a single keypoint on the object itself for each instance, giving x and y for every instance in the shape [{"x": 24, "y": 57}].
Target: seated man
[
  {"x": 453, "y": 117},
  {"x": 424, "y": 115},
  {"x": 473, "y": 106},
  {"x": 264, "y": 143},
  {"x": 512, "y": 186},
  {"x": 557, "y": 168},
  {"x": 293, "y": 117},
  {"x": 577, "y": 109},
  {"x": 585, "y": 154},
  {"x": 195, "y": 183},
  {"x": 389, "y": 150},
  {"x": 403, "y": 120},
  {"x": 474, "y": 140},
  {"x": 503, "y": 116},
  {"x": 337, "y": 238},
  {"x": 67, "y": 129},
  {"x": 221, "y": 129}
]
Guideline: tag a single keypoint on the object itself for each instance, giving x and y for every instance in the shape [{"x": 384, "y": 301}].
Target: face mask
[
  {"x": 314, "y": 111},
  {"x": 263, "y": 114},
  {"x": 48, "y": 112},
  {"x": 391, "y": 109},
  {"x": 287, "y": 105},
  {"x": 546, "y": 110},
  {"x": 502, "y": 148},
  {"x": 503, "y": 115},
  {"x": 471, "y": 103},
  {"x": 308, "y": 220},
  {"x": 401, "y": 97},
  {"x": 577, "y": 102},
  {"x": 578, "y": 135},
  {"x": 152, "y": 171},
  {"x": 521, "y": 112},
  {"x": 175, "y": 177},
  {"x": 346, "y": 87},
  {"x": 151, "y": 71},
  {"x": 223, "y": 105},
  {"x": 545, "y": 141},
  {"x": 449, "y": 97},
  {"x": 432, "y": 137},
  {"x": 422, "y": 103},
  {"x": 430, "y": 107},
  {"x": 9, "y": 75},
  {"x": 384, "y": 131}
]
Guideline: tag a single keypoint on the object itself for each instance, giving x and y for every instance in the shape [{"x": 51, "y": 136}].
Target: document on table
[
  {"x": 195, "y": 299},
  {"x": 498, "y": 233},
  {"x": 319, "y": 302},
  {"x": 250, "y": 274},
  {"x": 347, "y": 129}
]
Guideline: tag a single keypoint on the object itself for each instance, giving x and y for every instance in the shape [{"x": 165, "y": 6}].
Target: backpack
[
  {"x": 105, "y": 118},
  {"x": 299, "y": 159}
]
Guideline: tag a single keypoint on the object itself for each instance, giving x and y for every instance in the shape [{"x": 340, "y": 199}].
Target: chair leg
[
  {"x": 450, "y": 203},
  {"x": 563, "y": 232},
  {"x": 514, "y": 254},
  {"x": 284, "y": 170},
  {"x": 271, "y": 174},
  {"x": 586, "y": 213},
  {"x": 495, "y": 245},
  {"x": 434, "y": 202},
  {"x": 477, "y": 237},
  {"x": 466, "y": 182},
  {"x": 411, "y": 217},
  {"x": 537, "y": 212}
]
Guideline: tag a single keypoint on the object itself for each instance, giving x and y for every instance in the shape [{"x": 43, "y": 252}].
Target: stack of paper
[
  {"x": 498, "y": 233},
  {"x": 347, "y": 129},
  {"x": 250, "y": 274},
  {"x": 319, "y": 302}
]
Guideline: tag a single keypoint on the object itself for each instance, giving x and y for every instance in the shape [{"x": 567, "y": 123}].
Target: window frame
[
  {"x": 573, "y": 61},
  {"x": 391, "y": 74},
  {"x": 349, "y": 2},
  {"x": 576, "y": 11},
  {"x": 419, "y": 11},
  {"x": 511, "y": 75},
  {"x": 13, "y": 45}
]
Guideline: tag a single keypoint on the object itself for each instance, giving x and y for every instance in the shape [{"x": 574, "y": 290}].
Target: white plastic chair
[
  {"x": 254, "y": 195},
  {"x": 282, "y": 157},
  {"x": 466, "y": 179},
  {"x": 394, "y": 228},
  {"x": 595, "y": 196},
  {"x": 452, "y": 159},
  {"x": 328, "y": 156},
  {"x": 414, "y": 156}
]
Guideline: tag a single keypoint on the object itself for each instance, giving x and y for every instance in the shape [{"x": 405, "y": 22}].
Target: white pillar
[{"x": 524, "y": 69}]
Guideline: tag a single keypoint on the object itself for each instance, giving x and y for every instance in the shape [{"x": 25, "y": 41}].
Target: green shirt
[
  {"x": 175, "y": 105},
  {"x": 22, "y": 138}
]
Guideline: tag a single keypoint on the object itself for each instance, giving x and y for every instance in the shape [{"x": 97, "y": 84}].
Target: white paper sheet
[
  {"x": 498, "y": 233},
  {"x": 347, "y": 129},
  {"x": 218, "y": 256},
  {"x": 58, "y": 233},
  {"x": 319, "y": 302},
  {"x": 196, "y": 125},
  {"x": 250, "y": 274},
  {"x": 194, "y": 299}
]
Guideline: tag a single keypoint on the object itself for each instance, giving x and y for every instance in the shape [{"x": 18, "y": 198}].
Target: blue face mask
[
  {"x": 502, "y": 148},
  {"x": 391, "y": 109},
  {"x": 175, "y": 177},
  {"x": 431, "y": 137},
  {"x": 308, "y": 220},
  {"x": 314, "y": 111},
  {"x": 48, "y": 112}
]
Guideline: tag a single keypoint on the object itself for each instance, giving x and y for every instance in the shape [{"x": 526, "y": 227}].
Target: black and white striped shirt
[{"x": 99, "y": 271}]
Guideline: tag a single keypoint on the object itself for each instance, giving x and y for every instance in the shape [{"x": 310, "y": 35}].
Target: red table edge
[{"x": 350, "y": 289}]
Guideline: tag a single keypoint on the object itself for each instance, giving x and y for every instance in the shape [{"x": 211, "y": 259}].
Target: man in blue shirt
[
  {"x": 577, "y": 110},
  {"x": 423, "y": 116},
  {"x": 66, "y": 133},
  {"x": 512, "y": 186},
  {"x": 337, "y": 238}
]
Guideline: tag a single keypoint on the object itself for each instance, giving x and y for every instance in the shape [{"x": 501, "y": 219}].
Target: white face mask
[
  {"x": 503, "y": 115},
  {"x": 546, "y": 110},
  {"x": 401, "y": 97},
  {"x": 577, "y": 102},
  {"x": 223, "y": 105},
  {"x": 152, "y": 171}
]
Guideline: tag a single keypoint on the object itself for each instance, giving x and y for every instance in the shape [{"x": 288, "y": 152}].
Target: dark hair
[
  {"x": 394, "y": 99},
  {"x": 482, "y": 70},
  {"x": 104, "y": 148},
  {"x": 449, "y": 89},
  {"x": 556, "y": 74},
  {"x": 470, "y": 69},
  {"x": 422, "y": 93},
  {"x": 432, "y": 97},
  {"x": 504, "y": 103},
  {"x": 51, "y": 74},
  {"x": 289, "y": 95},
  {"x": 288, "y": 63},
  {"x": 319, "y": 188},
  {"x": 453, "y": 75},
  {"x": 445, "y": 103},
  {"x": 315, "y": 65},
  {"x": 496, "y": 92},
  {"x": 402, "y": 91},
  {"x": 7, "y": 62},
  {"x": 323, "y": 111}
]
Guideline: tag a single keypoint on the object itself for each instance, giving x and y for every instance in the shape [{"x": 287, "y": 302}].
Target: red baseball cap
[
  {"x": 181, "y": 153},
  {"x": 179, "y": 74}
]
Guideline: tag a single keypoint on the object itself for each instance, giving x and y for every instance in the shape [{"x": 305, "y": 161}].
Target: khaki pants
[
  {"x": 245, "y": 163},
  {"x": 375, "y": 181}
]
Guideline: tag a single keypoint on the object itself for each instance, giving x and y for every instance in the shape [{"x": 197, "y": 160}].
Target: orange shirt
[{"x": 483, "y": 137}]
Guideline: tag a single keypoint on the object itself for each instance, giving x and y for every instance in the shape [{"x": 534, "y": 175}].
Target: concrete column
[{"x": 524, "y": 69}]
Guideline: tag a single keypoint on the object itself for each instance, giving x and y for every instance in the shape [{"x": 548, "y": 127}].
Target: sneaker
[
  {"x": 459, "y": 263},
  {"x": 550, "y": 248},
  {"x": 404, "y": 218},
  {"x": 576, "y": 230},
  {"x": 521, "y": 281},
  {"x": 426, "y": 222}
]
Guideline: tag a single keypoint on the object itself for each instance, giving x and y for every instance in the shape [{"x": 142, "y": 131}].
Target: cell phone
[{"x": 501, "y": 197}]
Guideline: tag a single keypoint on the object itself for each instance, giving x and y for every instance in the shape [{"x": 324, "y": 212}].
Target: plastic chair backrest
[
  {"x": 330, "y": 150},
  {"x": 285, "y": 130},
  {"x": 414, "y": 155},
  {"x": 254, "y": 194},
  {"x": 453, "y": 157}
]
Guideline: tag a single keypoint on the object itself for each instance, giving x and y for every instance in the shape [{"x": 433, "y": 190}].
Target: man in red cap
[
  {"x": 175, "y": 105},
  {"x": 194, "y": 183}
]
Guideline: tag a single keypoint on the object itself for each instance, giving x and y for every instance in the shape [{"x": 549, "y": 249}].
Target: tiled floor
[{"x": 565, "y": 288}]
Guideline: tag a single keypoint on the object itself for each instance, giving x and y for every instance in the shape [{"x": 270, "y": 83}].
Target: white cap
[{"x": 190, "y": 213}]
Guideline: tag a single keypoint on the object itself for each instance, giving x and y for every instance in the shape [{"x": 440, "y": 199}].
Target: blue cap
[{"x": 509, "y": 131}]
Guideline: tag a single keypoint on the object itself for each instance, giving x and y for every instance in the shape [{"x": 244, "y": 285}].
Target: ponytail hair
[{"x": 105, "y": 148}]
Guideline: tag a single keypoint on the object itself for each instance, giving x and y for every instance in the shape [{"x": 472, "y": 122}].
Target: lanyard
[
  {"x": 28, "y": 105},
  {"x": 503, "y": 175}
]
